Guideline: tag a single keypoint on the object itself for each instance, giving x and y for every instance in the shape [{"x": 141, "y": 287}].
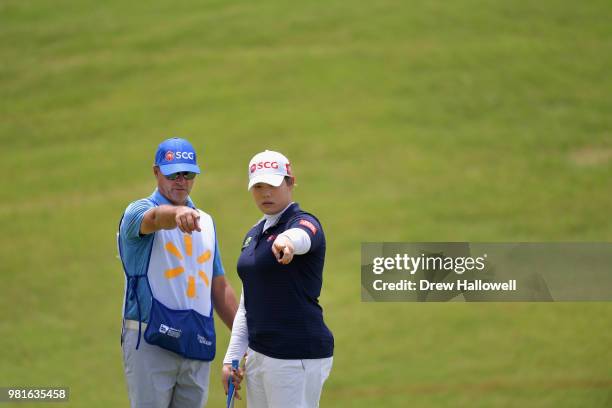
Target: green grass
[{"x": 423, "y": 120}]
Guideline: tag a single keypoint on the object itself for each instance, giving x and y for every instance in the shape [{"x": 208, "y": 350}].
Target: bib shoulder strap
[{"x": 131, "y": 291}]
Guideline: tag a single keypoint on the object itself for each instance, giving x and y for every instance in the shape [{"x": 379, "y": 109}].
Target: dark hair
[{"x": 289, "y": 180}]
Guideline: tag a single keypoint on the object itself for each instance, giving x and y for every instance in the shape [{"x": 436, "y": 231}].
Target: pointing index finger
[{"x": 275, "y": 250}]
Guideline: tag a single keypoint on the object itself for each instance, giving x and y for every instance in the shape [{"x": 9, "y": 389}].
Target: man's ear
[{"x": 155, "y": 171}]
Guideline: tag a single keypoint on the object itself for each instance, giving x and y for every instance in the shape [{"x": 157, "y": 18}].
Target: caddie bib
[{"x": 180, "y": 277}]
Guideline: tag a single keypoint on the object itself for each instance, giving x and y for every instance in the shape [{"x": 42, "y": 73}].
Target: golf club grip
[{"x": 230, "y": 386}]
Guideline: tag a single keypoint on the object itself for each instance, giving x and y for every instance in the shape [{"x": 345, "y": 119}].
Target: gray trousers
[{"x": 158, "y": 378}]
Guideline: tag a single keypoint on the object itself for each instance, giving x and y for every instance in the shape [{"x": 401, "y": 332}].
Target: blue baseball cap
[{"x": 174, "y": 155}]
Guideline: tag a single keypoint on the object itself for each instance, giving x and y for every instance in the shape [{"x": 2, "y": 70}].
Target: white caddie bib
[{"x": 181, "y": 267}]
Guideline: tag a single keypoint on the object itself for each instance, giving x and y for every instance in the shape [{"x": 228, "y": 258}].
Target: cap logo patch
[
  {"x": 169, "y": 156},
  {"x": 185, "y": 155},
  {"x": 263, "y": 165}
]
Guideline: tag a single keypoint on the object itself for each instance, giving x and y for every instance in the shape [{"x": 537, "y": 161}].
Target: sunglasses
[{"x": 187, "y": 175}]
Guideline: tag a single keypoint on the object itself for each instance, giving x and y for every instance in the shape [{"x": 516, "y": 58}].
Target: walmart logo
[{"x": 178, "y": 271}]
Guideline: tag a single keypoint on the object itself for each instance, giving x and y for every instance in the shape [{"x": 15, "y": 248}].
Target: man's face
[
  {"x": 270, "y": 199},
  {"x": 176, "y": 191}
]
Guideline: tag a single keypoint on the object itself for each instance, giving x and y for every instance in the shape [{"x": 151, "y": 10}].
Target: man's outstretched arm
[{"x": 169, "y": 217}]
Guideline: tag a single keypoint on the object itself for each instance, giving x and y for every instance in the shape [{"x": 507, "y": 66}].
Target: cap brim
[
  {"x": 271, "y": 179},
  {"x": 175, "y": 168}
]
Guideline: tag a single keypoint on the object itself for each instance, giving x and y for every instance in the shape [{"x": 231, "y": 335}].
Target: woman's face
[{"x": 270, "y": 199}]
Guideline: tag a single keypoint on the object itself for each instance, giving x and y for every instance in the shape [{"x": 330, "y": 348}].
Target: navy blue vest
[{"x": 283, "y": 314}]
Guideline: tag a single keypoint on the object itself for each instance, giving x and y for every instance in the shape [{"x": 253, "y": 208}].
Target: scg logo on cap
[
  {"x": 185, "y": 155},
  {"x": 179, "y": 155},
  {"x": 264, "y": 165}
]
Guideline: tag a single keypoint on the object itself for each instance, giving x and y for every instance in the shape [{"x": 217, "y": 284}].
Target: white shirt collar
[{"x": 272, "y": 219}]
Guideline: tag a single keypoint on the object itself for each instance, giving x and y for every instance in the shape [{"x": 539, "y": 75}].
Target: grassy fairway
[{"x": 422, "y": 120}]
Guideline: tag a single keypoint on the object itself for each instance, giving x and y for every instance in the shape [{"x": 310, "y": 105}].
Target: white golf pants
[{"x": 275, "y": 383}]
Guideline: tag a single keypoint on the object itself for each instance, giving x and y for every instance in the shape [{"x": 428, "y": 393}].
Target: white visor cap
[{"x": 268, "y": 167}]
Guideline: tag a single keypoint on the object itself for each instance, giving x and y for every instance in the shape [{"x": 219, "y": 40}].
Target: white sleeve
[
  {"x": 300, "y": 239},
  {"x": 239, "y": 340}
]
